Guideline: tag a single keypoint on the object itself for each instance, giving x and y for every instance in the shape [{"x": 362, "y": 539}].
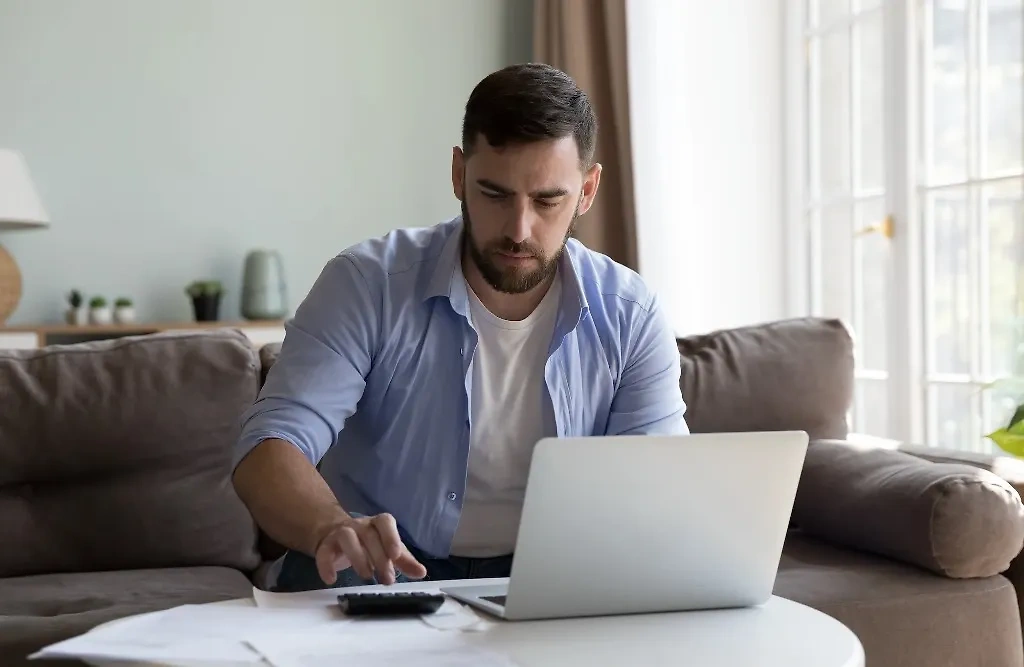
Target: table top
[{"x": 780, "y": 633}]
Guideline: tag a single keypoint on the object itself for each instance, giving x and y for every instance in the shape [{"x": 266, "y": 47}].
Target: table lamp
[{"x": 20, "y": 208}]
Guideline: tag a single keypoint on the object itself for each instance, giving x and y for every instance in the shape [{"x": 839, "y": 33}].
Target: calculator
[{"x": 402, "y": 603}]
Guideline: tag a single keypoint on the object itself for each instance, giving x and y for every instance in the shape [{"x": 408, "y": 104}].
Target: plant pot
[
  {"x": 99, "y": 315},
  {"x": 76, "y": 316},
  {"x": 206, "y": 308},
  {"x": 124, "y": 314}
]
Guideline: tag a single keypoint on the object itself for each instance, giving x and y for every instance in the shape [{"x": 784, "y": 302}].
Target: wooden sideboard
[{"x": 32, "y": 337}]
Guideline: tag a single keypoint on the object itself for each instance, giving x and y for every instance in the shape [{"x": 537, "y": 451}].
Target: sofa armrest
[{"x": 954, "y": 519}]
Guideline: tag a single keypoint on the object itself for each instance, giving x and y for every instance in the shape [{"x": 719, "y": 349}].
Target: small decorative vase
[
  {"x": 124, "y": 314},
  {"x": 76, "y": 316},
  {"x": 264, "y": 292},
  {"x": 99, "y": 315},
  {"x": 206, "y": 307}
]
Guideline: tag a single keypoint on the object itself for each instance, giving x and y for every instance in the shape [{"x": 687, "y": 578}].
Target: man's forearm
[{"x": 286, "y": 495}]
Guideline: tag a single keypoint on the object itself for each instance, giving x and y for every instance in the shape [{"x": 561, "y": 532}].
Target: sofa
[{"x": 116, "y": 499}]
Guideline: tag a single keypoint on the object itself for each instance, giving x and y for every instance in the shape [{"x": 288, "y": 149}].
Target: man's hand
[{"x": 371, "y": 545}]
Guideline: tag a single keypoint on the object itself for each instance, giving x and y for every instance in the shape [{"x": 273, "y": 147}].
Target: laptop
[{"x": 641, "y": 524}]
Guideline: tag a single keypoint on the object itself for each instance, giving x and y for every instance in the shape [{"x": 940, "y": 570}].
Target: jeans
[{"x": 299, "y": 573}]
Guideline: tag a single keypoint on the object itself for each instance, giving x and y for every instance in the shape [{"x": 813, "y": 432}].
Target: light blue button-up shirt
[{"x": 374, "y": 378}]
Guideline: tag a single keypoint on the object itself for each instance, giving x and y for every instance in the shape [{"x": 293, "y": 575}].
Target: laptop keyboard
[{"x": 496, "y": 599}]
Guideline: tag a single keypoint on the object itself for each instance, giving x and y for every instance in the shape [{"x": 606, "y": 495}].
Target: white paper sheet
[
  {"x": 221, "y": 652},
  {"x": 191, "y": 633}
]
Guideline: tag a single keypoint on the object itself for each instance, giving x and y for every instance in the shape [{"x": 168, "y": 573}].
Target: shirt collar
[{"x": 448, "y": 281}]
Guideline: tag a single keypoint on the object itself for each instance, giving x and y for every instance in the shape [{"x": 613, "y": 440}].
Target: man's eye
[
  {"x": 493, "y": 195},
  {"x": 547, "y": 204}
]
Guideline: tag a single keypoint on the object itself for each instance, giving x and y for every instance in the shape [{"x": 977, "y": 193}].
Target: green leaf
[
  {"x": 1016, "y": 428},
  {"x": 1009, "y": 441},
  {"x": 1017, "y": 420}
]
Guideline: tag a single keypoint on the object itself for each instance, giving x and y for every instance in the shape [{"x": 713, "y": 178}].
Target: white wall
[
  {"x": 706, "y": 104},
  {"x": 169, "y": 137}
]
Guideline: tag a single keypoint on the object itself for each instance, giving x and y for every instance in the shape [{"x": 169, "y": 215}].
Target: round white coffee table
[{"x": 780, "y": 633}]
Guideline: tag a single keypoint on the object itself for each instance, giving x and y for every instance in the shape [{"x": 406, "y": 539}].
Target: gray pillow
[
  {"x": 791, "y": 375},
  {"x": 117, "y": 454},
  {"x": 955, "y": 520}
]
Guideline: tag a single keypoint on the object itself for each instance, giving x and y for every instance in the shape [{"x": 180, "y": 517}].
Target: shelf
[
  {"x": 84, "y": 329},
  {"x": 259, "y": 332}
]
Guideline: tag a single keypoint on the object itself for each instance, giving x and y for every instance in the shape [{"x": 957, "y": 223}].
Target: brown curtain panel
[{"x": 587, "y": 40}]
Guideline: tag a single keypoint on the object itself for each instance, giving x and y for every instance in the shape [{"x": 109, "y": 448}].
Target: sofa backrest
[
  {"x": 793, "y": 374},
  {"x": 116, "y": 454}
]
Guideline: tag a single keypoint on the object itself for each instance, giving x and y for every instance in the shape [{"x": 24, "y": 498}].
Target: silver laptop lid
[{"x": 629, "y": 524}]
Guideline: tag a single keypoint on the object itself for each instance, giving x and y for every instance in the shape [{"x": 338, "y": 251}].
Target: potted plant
[
  {"x": 205, "y": 295},
  {"x": 99, "y": 311},
  {"x": 124, "y": 311},
  {"x": 75, "y": 313}
]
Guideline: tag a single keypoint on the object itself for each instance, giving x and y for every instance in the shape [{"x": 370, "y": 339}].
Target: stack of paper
[
  {"x": 214, "y": 633},
  {"x": 284, "y": 630}
]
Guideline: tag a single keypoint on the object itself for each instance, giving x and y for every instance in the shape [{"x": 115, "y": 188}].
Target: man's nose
[{"x": 520, "y": 227}]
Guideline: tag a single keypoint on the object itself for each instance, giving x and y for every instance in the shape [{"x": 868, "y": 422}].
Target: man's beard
[{"x": 513, "y": 280}]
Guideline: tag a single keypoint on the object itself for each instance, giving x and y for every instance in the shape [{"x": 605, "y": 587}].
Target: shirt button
[{"x": 452, "y": 496}]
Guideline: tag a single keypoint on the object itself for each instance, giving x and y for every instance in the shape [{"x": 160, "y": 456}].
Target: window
[{"x": 908, "y": 175}]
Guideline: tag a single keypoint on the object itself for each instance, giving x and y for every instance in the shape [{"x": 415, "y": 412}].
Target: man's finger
[
  {"x": 409, "y": 566},
  {"x": 375, "y": 550},
  {"x": 350, "y": 545},
  {"x": 330, "y": 559},
  {"x": 387, "y": 528}
]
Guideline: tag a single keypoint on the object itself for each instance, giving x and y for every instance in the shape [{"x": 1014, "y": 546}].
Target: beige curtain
[{"x": 587, "y": 40}]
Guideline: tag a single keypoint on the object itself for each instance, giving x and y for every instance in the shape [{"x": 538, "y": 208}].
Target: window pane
[
  {"x": 948, "y": 94},
  {"x": 837, "y": 263},
  {"x": 824, "y": 12},
  {"x": 1003, "y": 208},
  {"x": 1004, "y": 86},
  {"x": 834, "y": 114},
  {"x": 870, "y": 107},
  {"x": 951, "y": 417},
  {"x": 872, "y": 409},
  {"x": 873, "y": 263},
  {"x": 947, "y": 228}
]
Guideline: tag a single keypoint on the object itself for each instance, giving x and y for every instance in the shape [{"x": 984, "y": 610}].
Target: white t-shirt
[{"x": 510, "y": 411}]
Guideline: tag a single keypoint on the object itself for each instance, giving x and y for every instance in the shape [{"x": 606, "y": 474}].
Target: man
[{"x": 423, "y": 366}]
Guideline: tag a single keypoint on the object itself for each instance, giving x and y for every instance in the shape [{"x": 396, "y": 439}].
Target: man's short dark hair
[{"x": 531, "y": 102}]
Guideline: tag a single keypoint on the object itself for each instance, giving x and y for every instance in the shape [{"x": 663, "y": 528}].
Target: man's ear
[
  {"x": 590, "y": 183},
  {"x": 458, "y": 173}
]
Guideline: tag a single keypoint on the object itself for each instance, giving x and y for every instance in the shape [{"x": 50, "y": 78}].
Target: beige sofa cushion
[
  {"x": 955, "y": 520},
  {"x": 904, "y": 615},
  {"x": 781, "y": 376},
  {"x": 116, "y": 454}
]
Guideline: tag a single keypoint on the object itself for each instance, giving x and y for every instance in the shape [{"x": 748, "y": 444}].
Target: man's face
[{"x": 519, "y": 205}]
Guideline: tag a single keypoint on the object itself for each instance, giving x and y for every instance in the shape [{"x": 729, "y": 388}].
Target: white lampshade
[{"x": 20, "y": 206}]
